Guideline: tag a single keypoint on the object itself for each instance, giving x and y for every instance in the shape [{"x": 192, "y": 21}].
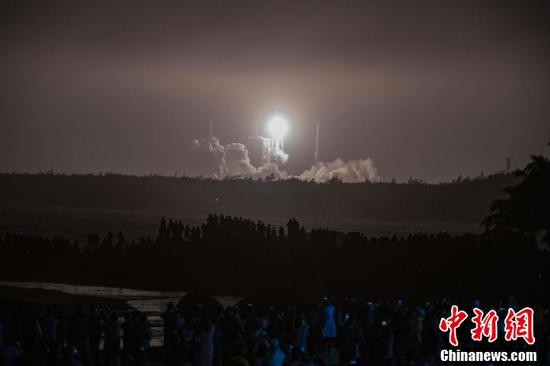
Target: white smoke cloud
[
  {"x": 353, "y": 171},
  {"x": 209, "y": 155},
  {"x": 278, "y": 156},
  {"x": 217, "y": 161},
  {"x": 237, "y": 161},
  {"x": 272, "y": 151}
]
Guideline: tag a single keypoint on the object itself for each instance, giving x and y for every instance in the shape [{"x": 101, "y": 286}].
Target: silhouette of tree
[{"x": 527, "y": 207}]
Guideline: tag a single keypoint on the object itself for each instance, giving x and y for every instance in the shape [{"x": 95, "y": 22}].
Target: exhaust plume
[
  {"x": 217, "y": 161},
  {"x": 209, "y": 158},
  {"x": 214, "y": 160},
  {"x": 272, "y": 151},
  {"x": 353, "y": 171}
]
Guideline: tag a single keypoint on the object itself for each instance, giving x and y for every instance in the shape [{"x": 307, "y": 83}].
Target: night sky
[{"x": 426, "y": 89}]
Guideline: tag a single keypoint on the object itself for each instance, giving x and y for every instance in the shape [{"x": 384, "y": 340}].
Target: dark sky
[{"x": 426, "y": 89}]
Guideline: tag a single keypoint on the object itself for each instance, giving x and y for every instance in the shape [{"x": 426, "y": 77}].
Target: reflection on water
[{"x": 153, "y": 303}]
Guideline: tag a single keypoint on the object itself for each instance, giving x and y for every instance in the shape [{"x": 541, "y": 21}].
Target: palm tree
[{"x": 527, "y": 208}]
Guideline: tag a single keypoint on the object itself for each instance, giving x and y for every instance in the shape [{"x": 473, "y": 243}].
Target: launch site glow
[{"x": 277, "y": 127}]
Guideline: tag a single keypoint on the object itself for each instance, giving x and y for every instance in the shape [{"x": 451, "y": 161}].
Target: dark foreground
[
  {"x": 240, "y": 257},
  {"x": 198, "y": 331}
]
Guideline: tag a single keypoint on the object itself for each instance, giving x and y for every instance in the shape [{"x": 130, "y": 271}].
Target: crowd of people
[
  {"x": 228, "y": 254},
  {"x": 90, "y": 336},
  {"x": 239, "y": 256},
  {"x": 353, "y": 332}
]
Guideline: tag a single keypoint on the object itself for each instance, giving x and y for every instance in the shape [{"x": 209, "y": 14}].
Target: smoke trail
[
  {"x": 216, "y": 161},
  {"x": 353, "y": 171},
  {"x": 272, "y": 151}
]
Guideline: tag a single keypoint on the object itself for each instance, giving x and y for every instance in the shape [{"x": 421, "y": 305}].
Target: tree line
[{"x": 463, "y": 200}]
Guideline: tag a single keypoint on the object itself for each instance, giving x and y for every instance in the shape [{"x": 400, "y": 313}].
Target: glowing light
[{"x": 277, "y": 127}]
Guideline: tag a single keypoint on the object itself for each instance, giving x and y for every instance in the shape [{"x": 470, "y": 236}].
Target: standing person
[
  {"x": 127, "y": 338},
  {"x": 168, "y": 325},
  {"x": 173, "y": 324},
  {"x": 329, "y": 324},
  {"x": 315, "y": 322},
  {"x": 143, "y": 341},
  {"x": 206, "y": 342},
  {"x": 383, "y": 349},
  {"x": 31, "y": 337},
  {"x": 2, "y": 328},
  {"x": 61, "y": 332},
  {"x": 95, "y": 329},
  {"x": 277, "y": 356},
  {"x": 11, "y": 353},
  {"x": 112, "y": 340},
  {"x": 350, "y": 339},
  {"x": 301, "y": 333},
  {"x": 50, "y": 325}
]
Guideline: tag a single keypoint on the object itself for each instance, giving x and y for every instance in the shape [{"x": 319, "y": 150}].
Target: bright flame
[{"x": 277, "y": 127}]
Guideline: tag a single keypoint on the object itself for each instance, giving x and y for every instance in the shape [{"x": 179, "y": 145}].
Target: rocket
[{"x": 316, "y": 152}]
